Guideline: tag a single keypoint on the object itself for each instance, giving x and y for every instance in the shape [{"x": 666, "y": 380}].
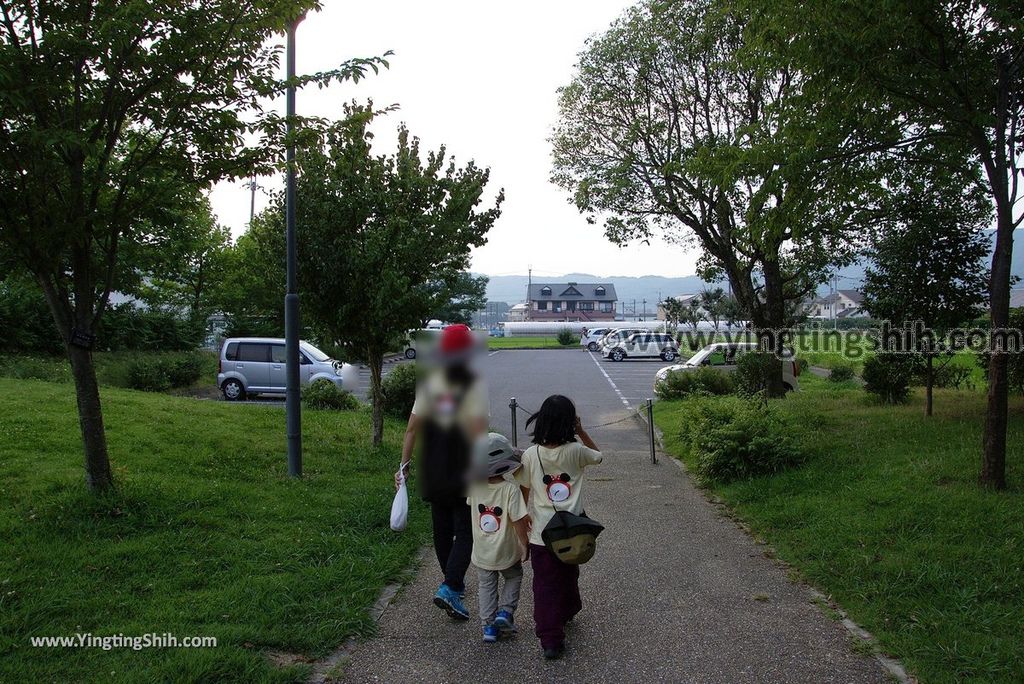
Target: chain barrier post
[
  {"x": 650, "y": 430},
  {"x": 515, "y": 433}
]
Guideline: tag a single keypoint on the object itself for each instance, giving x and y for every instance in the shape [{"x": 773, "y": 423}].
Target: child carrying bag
[
  {"x": 571, "y": 538},
  {"x": 400, "y": 506}
]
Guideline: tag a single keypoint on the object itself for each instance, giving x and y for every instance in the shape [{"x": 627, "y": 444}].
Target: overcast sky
[{"x": 481, "y": 78}]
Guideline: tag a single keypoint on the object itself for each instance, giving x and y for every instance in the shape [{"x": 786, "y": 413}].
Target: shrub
[
  {"x": 682, "y": 384},
  {"x": 157, "y": 372},
  {"x": 733, "y": 438},
  {"x": 400, "y": 390},
  {"x": 324, "y": 394},
  {"x": 803, "y": 363},
  {"x": 566, "y": 337},
  {"x": 52, "y": 369},
  {"x": 841, "y": 373},
  {"x": 887, "y": 375},
  {"x": 148, "y": 374},
  {"x": 752, "y": 370}
]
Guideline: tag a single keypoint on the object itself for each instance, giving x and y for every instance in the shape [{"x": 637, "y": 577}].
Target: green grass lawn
[
  {"x": 204, "y": 536},
  {"x": 829, "y": 349},
  {"x": 529, "y": 343},
  {"x": 887, "y": 519}
]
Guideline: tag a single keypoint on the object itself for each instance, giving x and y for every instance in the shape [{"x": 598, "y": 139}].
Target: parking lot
[{"x": 603, "y": 390}]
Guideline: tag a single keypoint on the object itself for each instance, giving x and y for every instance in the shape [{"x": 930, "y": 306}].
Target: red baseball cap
[{"x": 456, "y": 338}]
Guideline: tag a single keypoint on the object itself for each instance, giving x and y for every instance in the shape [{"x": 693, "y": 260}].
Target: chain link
[{"x": 633, "y": 414}]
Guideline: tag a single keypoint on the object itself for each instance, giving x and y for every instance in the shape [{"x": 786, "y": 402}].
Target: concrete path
[{"x": 676, "y": 593}]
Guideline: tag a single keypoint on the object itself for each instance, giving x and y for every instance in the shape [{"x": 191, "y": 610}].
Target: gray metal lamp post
[{"x": 293, "y": 410}]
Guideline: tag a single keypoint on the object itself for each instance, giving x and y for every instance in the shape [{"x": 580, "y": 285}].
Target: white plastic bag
[{"x": 400, "y": 506}]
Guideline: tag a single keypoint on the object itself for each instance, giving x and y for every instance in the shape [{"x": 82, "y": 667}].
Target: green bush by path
[
  {"x": 887, "y": 519},
  {"x": 732, "y": 438},
  {"x": 888, "y": 375},
  {"x": 324, "y": 394},
  {"x": 841, "y": 373},
  {"x": 703, "y": 380},
  {"x": 567, "y": 337},
  {"x": 205, "y": 535},
  {"x": 752, "y": 371},
  {"x": 400, "y": 390}
]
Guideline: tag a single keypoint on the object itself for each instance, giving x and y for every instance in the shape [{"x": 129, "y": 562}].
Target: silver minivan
[{"x": 256, "y": 365}]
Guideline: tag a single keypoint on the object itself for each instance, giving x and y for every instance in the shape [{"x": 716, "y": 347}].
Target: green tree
[
  {"x": 712, "y": 300},
  {"x": 378, "y": 232},
  {"x": 926, "y": 265},
  {"x": 950, "y": 71},
  {"x": 108, "y": 109},
  {"x": 665, "y": 129},
  {"x": 673, "y": 309},
  {"x": 459, "y": 297},
  {"x": 693, "y": 313},
  {"x": 184, "y": 266},
  {"x": 252, "y": 290}
]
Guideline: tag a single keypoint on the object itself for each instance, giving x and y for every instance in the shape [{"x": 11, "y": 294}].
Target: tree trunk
[
  {"x": 774, "y": 322},
  {"x": 90, "y": 419},
  {"x": 375, "y": 360},
  {"x": 87, "y": 392},
  {"x": 929, "y": 382},
  {"x": 993, "y": 461}
]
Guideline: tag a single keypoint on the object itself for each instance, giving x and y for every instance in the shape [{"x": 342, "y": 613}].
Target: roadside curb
[{"x": 329, "y": 669}]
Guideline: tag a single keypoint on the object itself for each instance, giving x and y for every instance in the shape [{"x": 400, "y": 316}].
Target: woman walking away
[
  {"x": 451, "y": 410},
  {"x": 553, "y": 471}
]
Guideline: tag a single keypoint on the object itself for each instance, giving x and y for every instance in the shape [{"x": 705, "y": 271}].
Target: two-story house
[
  {"x": 571, "y": 302},
  {"x": 839, "y": 304}
]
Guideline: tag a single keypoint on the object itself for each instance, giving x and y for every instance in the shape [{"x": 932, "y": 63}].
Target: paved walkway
[{"x": 676, "y": 593}]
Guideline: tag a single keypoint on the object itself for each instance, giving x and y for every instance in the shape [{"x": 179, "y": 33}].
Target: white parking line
[
  {"x": 610, "y": 381},
  {"x": 494, "y": 352}
]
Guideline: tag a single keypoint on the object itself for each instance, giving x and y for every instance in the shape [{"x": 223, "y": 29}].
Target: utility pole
[
  {"x": 529, "y": 286},
  {"x": 293, "y": 408},
  {"x": 252, "y": 199}
]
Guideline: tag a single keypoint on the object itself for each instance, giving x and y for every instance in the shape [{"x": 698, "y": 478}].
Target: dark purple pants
[{"x": 556, "y": 595}]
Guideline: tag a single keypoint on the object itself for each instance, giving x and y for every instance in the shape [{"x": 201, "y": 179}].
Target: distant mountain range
[{"x": 653, "y": 288}]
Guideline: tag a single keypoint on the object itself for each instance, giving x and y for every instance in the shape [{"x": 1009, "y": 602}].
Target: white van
[
  {"x": 591, "y": 339},
  {"x": 256, "y": 365}
]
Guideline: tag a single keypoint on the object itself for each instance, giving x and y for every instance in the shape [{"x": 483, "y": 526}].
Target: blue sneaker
[
  {"x": 448, "y": 600},
  {"x": 504, "y": 622},
  {"x": 491, "y": 633}
]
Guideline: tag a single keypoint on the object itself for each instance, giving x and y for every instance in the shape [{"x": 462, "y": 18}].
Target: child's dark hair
[{"x": 555, "y": 423}]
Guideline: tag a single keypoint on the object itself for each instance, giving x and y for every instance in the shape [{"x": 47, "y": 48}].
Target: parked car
[
  {"x": 418, "y": 339},
  {"x": 591, "y": 340},
  {"x": 643, "y": 345},
  {"x": 616, "y": 335},
  {"x": 256, "y": 365},
  {"x": 724, "y": 356}
]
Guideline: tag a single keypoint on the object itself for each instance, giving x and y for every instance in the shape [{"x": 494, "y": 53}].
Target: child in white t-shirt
[
  {"x": 553, "y": 472},
  {"x": 500, "y": 528}
]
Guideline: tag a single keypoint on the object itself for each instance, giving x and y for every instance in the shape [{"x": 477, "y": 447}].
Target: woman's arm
[{"x": 412, "y": 430}]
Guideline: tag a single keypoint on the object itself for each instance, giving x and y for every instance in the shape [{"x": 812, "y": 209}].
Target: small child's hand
[
  {"x": 579, "y": 425},
  {"x": 526, "y": 554}
]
